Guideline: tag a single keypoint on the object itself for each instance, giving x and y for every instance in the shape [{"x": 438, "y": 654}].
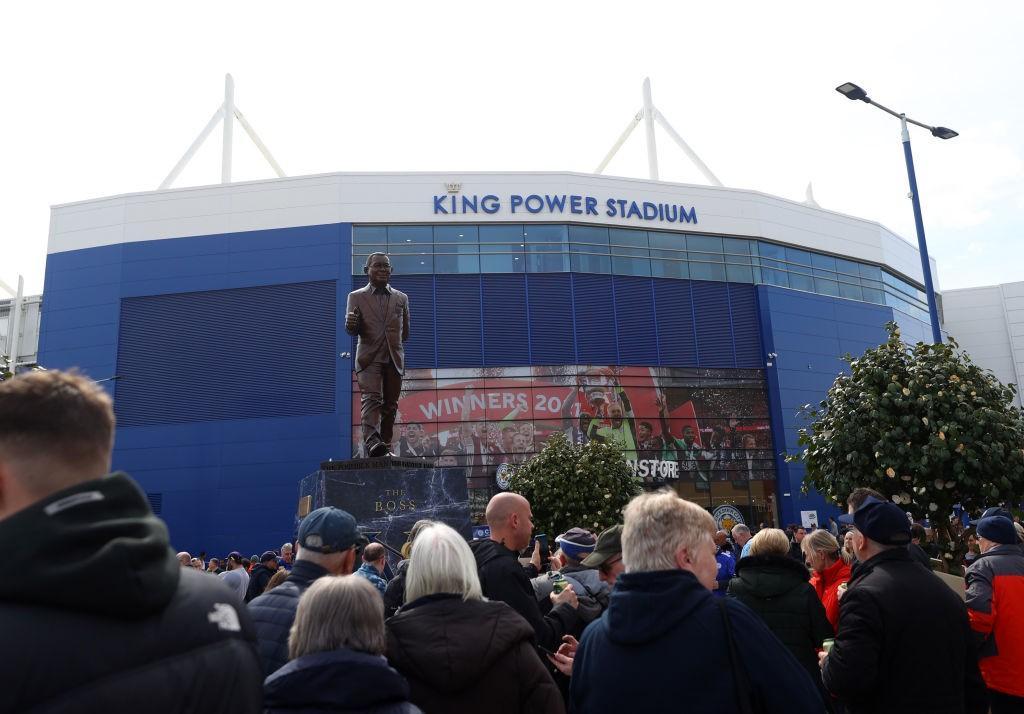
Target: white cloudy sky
[{"x": 102, "y": 98}]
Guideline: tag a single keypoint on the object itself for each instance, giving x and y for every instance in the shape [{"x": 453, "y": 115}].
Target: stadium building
[{"x": 687, "y": 323}]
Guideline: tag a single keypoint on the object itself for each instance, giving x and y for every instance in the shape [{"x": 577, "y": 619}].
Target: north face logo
[{"x": 225, "y": 617}]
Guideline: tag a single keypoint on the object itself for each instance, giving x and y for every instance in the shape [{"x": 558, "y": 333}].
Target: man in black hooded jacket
[
  {"x": 99, "y": 616},
  {"x": 503, "y": 578}
]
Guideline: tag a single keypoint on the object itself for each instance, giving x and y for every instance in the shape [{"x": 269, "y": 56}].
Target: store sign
[
  {"x": 655, "y": 469},
  {"x": 563, "y": 204}
]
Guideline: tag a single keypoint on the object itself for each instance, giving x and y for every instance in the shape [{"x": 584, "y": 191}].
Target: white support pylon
[
  {"x": 650, "y": 114},
  {"x": 227, "y": 112}
]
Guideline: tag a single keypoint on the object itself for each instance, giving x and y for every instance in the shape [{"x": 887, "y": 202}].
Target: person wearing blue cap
[
  {"x": 903, "y": 642},
  {"x": 995, "y": 605},
  {"x": 328, "y": 545}
]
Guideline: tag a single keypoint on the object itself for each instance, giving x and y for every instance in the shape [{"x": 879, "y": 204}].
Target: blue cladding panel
[
  {"x": 216, "y": 355},
  {"x": 634, "y": 308},
  {"x": 746, "y": 327},
  {"x": 677, "y": 343},
  {"x": 596, "y": 341},
  {"x": 420, "y": 348},
  {"x": 458, "y": 317},
  {"x": 809, "y": 333},
  {"x": 551, "y": 319},
  {"x": 506, "y": 332},
  {"x": 714, "y": 324}
]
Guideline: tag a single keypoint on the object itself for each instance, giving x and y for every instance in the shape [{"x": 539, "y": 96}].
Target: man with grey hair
[
  {"x": 328, "y": 540},
  {"x": 640, "y": 655},
  {"x": 741, "y": 534}
]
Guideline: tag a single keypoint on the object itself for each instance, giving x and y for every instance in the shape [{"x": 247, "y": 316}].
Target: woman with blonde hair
[
  {"x": 460, "y": 652},
  {"x": 775, "y": 586},
  {"x": 336, "y": 648},
  {"x": 830, "y": 569}
]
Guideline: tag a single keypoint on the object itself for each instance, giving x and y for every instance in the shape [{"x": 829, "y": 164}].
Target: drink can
[
  {"x": 827, "y": 645},
  {"x": 558, "y": 583}
]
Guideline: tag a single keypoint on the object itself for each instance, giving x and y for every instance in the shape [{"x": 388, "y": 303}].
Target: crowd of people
[{"x": 663, "y": 612}]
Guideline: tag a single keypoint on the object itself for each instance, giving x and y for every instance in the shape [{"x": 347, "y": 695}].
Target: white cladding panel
[
  {"x": 988, "y": 322},
  {"x": 408, "y": 198}
]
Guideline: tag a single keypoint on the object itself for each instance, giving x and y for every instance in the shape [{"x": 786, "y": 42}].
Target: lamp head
[
  {"x": 852, "y": 91},
  {"x": 942, "y": 132}
]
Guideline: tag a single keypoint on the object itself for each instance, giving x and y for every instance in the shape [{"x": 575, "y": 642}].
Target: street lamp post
[{"x": 852, "y": 91}]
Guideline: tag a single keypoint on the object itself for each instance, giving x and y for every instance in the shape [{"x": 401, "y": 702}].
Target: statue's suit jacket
[{"x": 375, "y": 328}]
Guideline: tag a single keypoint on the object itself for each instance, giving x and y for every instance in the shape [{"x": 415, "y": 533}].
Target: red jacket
[
  {"x": 995, "y": 605},
  {"x": 826, "y": 584}
]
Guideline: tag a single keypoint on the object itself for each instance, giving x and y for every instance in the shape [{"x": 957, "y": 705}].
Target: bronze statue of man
[{"x": 379, "y": 315}]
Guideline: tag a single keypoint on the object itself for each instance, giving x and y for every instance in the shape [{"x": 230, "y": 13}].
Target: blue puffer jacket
[
  {"x": 274, "y": 612},
  {"x": 338, "y": 681},
  {"x": 661, "y": 647}
]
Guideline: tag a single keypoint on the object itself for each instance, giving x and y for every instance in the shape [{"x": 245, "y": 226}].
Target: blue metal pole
[{"x": 922, "y": 245}]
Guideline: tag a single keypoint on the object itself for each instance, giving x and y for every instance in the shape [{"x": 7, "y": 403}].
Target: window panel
[
  {"x": 739, "y": 273},
  {"x": 705, "y": 244},
  {"x": 547, "y": 262},
  {"x": 631, "y": 266},
  {"x": 369, "y": 235},
  {"x": 825, "y": 262},
  {"x": 585, "y": 263},
  {"x": 627, "y": 237},
  {"x": 460, "y": 235},
  {"x": 456, "y": 263},
  {"x": 847, "y": 266},
  {"x": 412, "y": 264},
  {"x": 501, "y": 234},
  {"x": 670, "y": 268},
  {"x": 666, "y": 241},
  {"x": 630, "y": 252},
  {"x": 826, "y": 287},
  {"x": 589, "y": 234},
  {"x": 798, "y": 281},
  {"x": 502, "y": 263},
  {"x": 515, "y": 248},
  {"x": 873, "y": 295},
  {"x": 770, "y": 250},
  {"x": 774, "y": 277},
  {"x": 872, "y": 272},
  {"x": 800, "y": 257},
  {"x": 553, "y": 236},
  {"x": 850, "y": 291},
  {"x": 707, "y": 271},
  {"x": 739, "y": 246},
  {"x": 403, "y": 235}
]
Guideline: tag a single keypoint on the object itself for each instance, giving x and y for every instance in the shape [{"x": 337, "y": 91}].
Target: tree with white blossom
[
  {"x": 923, "y": 425},
  {"x": 570, "y": 486}
]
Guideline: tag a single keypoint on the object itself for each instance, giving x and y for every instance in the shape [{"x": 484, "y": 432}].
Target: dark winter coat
[
  {"x": 97, "y": 615},
  {"x": 661, "y": 647},
  {"x": 470, "y": 656},
  {"x": 338, "y": 681},
  {"x": 394, "y": 594},
  {"x": 274, "y": 612},
  {"x": 776, "y": 588},
  {"x": 258, "y": 579},
  {"x": 903, "y": 643},
  {"x": 503, "y": 578}
]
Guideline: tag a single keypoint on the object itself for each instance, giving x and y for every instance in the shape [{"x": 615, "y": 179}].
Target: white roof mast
[
  {"x": 649, "y": 114},
  {"x": 228, "y": 112}
]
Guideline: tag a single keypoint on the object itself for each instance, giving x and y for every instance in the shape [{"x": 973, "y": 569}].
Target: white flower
[
  {"x": 933, "y": 506},
  {"x": 938, "y": 483},
  {"x": 925, "y": 420},
  {"x": 950, "y": 484}
]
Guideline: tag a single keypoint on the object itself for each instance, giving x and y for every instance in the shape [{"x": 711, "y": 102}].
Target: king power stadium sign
[{"x": 564, "y": 204}]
